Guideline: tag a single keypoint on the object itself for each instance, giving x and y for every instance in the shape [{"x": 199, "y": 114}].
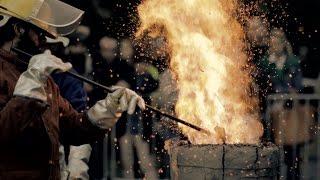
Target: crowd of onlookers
[{"x": 289, "y": 114}]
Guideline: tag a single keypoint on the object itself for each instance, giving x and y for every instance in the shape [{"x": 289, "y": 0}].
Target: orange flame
[{"x": 206, "y": 45}]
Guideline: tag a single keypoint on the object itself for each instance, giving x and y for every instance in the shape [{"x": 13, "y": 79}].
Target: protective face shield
[
  {"x": 53, "y": 16},
  {"x": 4, "y": 19}
]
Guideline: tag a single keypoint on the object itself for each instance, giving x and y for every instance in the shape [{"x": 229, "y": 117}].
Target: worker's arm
[
  {"x": 29, "y": 96},
  {"x": 81, "y": 128},
  {"x": 76, "y": 128}
]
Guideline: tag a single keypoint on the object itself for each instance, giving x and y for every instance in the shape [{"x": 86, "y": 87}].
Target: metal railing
[{"x": 292, "y": 122}]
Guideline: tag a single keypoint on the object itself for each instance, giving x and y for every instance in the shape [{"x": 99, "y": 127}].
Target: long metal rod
[{"x": 84, "y": 79}]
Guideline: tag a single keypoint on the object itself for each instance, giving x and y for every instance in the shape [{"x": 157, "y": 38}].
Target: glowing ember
[{"x": 206, "y": 46}]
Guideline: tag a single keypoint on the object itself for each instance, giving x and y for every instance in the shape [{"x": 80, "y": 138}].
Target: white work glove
[
  {"x": 105, "y": 113},
  {"x": 78, "y": 162},
  {"x": 31, "y": 82}
]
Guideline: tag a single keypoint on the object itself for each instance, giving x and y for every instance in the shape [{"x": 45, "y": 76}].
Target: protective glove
[
  {"x": 105, "y": 113},
  {"x": 78, "y": 162},
  {"x": 31, "y": 82}
]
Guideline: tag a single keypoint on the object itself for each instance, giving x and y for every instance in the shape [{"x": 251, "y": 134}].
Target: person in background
[
  {"x": 109, "y": 68},
  {"x": 78, "y": 53},
  {"x": 155, "y": 81},
  {"x": 112, "y": 66},
  {"x": 280, "y": 65},
  {"x": 166, "y": 131},
  {"x": 135, "y": 135},
  {"x": 281, "y": 69},
  {"x": 126, "y": 51}
]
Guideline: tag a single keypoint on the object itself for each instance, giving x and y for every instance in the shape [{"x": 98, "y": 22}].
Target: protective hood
[{"x": 53, "y": 16}]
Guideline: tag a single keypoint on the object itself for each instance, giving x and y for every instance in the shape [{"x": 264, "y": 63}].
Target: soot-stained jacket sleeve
[{"x": 76, "y": 128}]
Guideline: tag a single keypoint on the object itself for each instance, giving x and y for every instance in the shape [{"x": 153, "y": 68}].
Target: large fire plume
[{"x": 207, "y": 56}]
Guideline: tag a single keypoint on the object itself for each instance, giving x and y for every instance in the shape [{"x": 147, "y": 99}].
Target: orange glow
[{"x": 206, "y": 45}]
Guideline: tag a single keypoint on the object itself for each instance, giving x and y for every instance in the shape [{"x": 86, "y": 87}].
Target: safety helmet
[{"x": 55, "y": 17}]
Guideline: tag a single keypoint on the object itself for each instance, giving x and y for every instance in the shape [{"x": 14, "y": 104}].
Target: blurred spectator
[
  {"x": 280, "y": 73},
  {"x": 257, "y": 31},
  {"x": 126, "y": 51},
  {"x": 103, "y": 72},
  {"x": 147, "y": 77},
  {"x": 280, "y": 65},
  {"x": 166, "y": 95},
  {"x": 153, "y": 50},
  {"x": 155, "y": 82},
  {"x": 78, "y": 52},
  {"x": 165, "y": 98},
  {"x": 114, "y": 65},
  {"x": 133, "y": 140},
  {"x": 146, "y": 82},
  {"x": 109, "y": 68}
]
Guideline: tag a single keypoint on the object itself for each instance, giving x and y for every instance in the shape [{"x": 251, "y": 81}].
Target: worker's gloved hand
[
  {"x": 105, "y": 113},
  {"x": 31, "y": 82}
]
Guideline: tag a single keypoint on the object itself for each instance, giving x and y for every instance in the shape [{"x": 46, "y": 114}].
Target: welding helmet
[{"x": 56, "y": 18}]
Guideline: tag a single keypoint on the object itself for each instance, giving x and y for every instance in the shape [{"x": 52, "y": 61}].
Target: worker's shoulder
[
  {"x": 7, "y": 67},
  {"x": 9, "y": 74}
]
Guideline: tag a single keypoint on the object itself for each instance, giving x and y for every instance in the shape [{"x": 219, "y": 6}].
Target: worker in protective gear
[{"x": 34, "y": 117}]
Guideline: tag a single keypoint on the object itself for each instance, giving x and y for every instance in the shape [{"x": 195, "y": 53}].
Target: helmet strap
[{"x": 4, "y": 19}]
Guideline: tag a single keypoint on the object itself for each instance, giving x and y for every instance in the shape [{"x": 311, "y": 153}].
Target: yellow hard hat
[{"x": 53, "y": 16}]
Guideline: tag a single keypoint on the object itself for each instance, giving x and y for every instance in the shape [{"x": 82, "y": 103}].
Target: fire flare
[{"x": 206, "y": 45}]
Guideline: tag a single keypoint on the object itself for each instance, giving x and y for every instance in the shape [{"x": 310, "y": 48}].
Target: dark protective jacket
[{"x": 30, "y": 130}]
